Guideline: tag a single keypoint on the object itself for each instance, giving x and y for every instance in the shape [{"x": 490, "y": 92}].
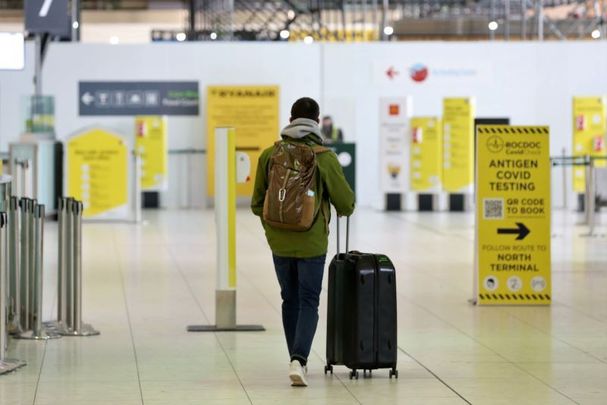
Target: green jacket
[{"x": 331, "y": 188}]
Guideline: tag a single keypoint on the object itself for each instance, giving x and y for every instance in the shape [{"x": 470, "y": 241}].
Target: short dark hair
[{"x": 305, "y": 107}]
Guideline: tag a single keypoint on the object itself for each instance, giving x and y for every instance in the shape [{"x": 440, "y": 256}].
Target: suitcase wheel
[
  {"x": 393, "y": 373},
  {"x": 329, "y": 369},
  {"x": 354, "y": 374}
]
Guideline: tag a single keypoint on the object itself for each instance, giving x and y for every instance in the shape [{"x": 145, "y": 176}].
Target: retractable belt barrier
[
  {"x": 6, "y": 365},
  {"x": 32, "y": 273},
  {"x": 22, "y": 274},
  {"x": 69, "y": 274}
]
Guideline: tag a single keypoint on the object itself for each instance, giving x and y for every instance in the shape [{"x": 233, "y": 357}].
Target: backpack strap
[{"x": 317, "y": 149}]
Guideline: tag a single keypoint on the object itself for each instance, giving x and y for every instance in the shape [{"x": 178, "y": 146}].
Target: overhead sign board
[
  {"x": 47, "y": 17},
  {"x": 138, "y": 98},
  {"x": 513, "y": 216}
]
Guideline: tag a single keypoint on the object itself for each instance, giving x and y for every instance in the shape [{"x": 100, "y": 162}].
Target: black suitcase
[{"x": 361, "y": 315}]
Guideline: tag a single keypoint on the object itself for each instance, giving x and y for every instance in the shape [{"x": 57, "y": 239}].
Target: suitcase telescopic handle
[{"x": 347, "y": 234}]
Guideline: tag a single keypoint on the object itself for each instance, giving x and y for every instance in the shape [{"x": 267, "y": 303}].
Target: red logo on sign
[
  {"x": 419, "y": 72},
  {"x": 394, "y": 109},
  {"x": 599, "y": 143}
]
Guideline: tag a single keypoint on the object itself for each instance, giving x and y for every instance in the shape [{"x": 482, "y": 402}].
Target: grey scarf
[{"x": 302, "y": 127}]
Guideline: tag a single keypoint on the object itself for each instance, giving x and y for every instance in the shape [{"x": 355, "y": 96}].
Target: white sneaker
[{"x": 297, "y": 374}]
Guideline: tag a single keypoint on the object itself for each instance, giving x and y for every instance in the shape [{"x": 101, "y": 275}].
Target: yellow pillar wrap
[
  {"x": 152, "y": 144},
  {"x": 426, "y": 154},
  {"x": 589, "y": 127},
  {"x": 458, "y": 134}
]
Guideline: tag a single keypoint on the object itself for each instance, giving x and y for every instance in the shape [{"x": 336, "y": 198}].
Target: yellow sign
[
  {"x": 458, "y": 135},
  {"x": 326, "y": 35},
  {"x": 426, "y": 154},
  {"x": 97, "y": 163},
  {"x": 151, "y": 144},
  {"x": 513, "y": 216},
  {"x": 589, "y": 128},
  {"x": 253, "y": 112}
]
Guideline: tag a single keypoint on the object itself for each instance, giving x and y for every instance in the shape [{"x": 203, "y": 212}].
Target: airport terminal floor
[{"x": 144, "y": 284}]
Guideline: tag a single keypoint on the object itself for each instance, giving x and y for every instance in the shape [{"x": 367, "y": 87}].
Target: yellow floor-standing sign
[
  {"x": 458, "y": 146},
  {"x": 513, "y": 216},
  {"x": 97, "y": 173},
  {"x": 589, "y": 128},
  {"x": 253, "y": 112},
  {"x": 426, "y": 154},
  {"x": 151, "y": 144}
]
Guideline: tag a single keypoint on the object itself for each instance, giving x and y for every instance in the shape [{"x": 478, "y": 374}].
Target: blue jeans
[{"x": 300, "y": 285}]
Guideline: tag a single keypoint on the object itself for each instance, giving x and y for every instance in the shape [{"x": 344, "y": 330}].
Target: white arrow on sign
[
  {"x": 87, "y": 98},
  {"x": 46, "y": 6}
]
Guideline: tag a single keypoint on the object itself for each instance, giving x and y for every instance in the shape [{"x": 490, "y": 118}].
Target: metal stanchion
[
  {"x": 60, "y": 325},
  {"x": 69, "y": 308},
  {"x": 38, "y": 330},
  {"x": 6, "y": 365},
  {"x": 590, "y": 196},
  {"x": 24, "y": 265},
  {"x": 14, "y": 274},
  {"x": 565, "y": 202},
  {"x": 137, "y": 163}
]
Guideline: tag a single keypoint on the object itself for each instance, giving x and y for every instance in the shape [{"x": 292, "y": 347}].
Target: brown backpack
[{"x": 290, "y": 201}]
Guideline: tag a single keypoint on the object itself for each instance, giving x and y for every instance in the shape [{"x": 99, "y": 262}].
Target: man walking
[{"x": 297, "y": 180}]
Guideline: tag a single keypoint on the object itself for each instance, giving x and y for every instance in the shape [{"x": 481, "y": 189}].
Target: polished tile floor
[{"x": 144, "y": 284}]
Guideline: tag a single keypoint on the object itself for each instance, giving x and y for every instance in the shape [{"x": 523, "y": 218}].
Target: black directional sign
[
  {"x": 47, "y": 17},
  {"x": 138, "y": 98}
]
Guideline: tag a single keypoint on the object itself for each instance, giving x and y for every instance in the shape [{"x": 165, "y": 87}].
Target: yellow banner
[
  {"x": 589, "y": 128},
  {"x": 326, "y": 35},
  {"x": 426, "y": 154},
  {"x": 97, "y": 163},
  {"x": 253, "y": 112},
  {"x": 513, "y": 216},
  {"x": 151, "y": 144},
  {"x": 458, "y": 135}
]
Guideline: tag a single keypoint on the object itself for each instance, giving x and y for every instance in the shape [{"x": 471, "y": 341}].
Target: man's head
[
  {"x": 327, "y": 121},
  {"x": 305, "y": 108}
]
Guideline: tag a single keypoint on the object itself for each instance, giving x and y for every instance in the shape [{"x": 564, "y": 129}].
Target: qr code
[{"x": 493, "y": 208}]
